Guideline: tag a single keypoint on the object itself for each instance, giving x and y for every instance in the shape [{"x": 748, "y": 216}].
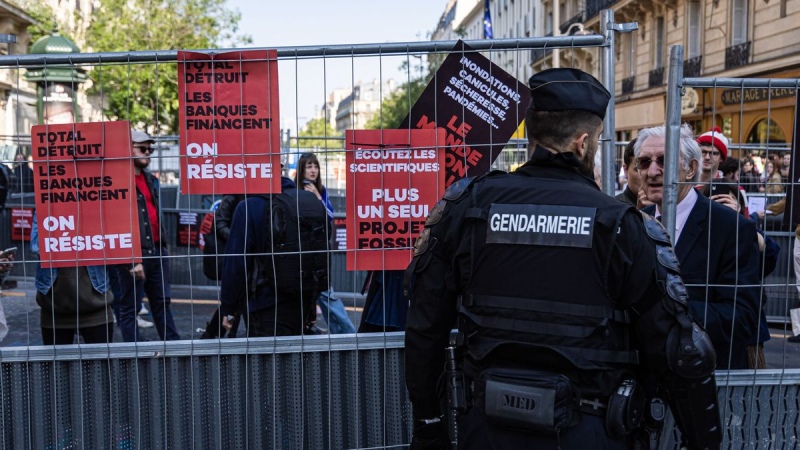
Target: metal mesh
[{"x": 302, "y": 392}]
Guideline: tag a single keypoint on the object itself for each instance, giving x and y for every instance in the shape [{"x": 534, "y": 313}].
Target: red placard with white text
[
  {"x": 85, "y": 194},
  {"x": 229, "y": 132},
  {"x": 394, "y": 177},
  {"x": 21, "y": 224}
]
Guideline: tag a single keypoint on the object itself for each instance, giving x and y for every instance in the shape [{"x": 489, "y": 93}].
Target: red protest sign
[
  {"x": 479, "y": 105},
  {"x": 229, "y": 143},
  {"x": 21, "y": 224},
  {"x": 85, "y": 194},
  {"x": 394, "y": 177}
]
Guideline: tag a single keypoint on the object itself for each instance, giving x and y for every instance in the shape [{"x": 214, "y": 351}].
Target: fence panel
[{"x": 299, "y": 392}]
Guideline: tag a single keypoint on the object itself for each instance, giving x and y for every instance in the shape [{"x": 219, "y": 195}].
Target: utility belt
[{"x": 537, "y": 401}]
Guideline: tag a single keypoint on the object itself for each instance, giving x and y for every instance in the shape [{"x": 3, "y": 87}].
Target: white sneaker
[
  {"x": 141, "y": 323},
  {"x": 143, "y": 311}
]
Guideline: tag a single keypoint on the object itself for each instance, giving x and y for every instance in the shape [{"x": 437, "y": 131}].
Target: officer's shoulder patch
[
  {"x": 436, "y": 213},
  {"x": 457, "y": 189},
  {"x": 654, "y": 229},
  {"x": 421, "y": 244}
]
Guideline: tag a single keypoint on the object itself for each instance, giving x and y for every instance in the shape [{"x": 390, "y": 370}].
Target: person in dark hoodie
[{"x": 245, "y": 286}]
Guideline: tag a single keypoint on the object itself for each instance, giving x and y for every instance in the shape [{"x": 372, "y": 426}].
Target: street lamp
[
  {"x": 576, "y": 29},
  {"x": 579, "y": 30}
]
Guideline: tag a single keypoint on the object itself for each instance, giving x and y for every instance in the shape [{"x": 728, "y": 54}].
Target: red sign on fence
[
  {"x": 230, "y": 140},
  {"x": 394, "y": 177},
  {"x": 85, "y": 194}
]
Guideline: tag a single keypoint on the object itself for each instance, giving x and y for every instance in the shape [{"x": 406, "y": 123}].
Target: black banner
[{"x": 478, "y": 104}]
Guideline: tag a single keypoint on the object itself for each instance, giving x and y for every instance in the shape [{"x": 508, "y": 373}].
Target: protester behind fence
[
  {"x": 214, "y": 251},
  {"x": 275, "y": 297},
  {"x": 331, "y": 307},
  {"x": 773, "y": 182},
  {"x": 73, "y": 300},
  {"x": 385, "y": 304},
  {"x": 780, "y": 208},
  {"x": 727, "y": 190},
  {"x": 152, "y": 275},
  {"x": 569, "y": 323},
  {"x": 786, "y": 165},
  {"x": 5, "y": 267},
  {"x": 716, "y": 247},
  {"x": 23, "y": 175},
  {"x": 749, "y": 176},
  {"x": 714, "y": 149}
]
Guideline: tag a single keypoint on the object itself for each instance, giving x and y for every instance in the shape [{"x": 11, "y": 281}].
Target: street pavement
[{"x": 192, "y": 308}]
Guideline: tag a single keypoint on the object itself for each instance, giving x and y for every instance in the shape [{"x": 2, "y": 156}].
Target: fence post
[
  {"x": 669, "y": 203},
  {"x": 607, "y": 75}
]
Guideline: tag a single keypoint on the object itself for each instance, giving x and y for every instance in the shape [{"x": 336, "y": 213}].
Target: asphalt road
[{"x": 193, "y": 307}]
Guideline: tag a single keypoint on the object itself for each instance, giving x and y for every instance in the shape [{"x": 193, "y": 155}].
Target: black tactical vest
[{"x": 538, "y": 284}]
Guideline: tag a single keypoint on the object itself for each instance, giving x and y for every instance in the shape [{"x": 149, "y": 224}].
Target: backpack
[
  {"x": 212, "y": 259},
  {"x": 296, "y": 261},
  {"x": 213, "y": 243}
]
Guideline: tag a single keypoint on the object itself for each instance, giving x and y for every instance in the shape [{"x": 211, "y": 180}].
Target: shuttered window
[
  {"x": 693, "y": 38},
  {"x": 658, "y": 43},
  {"x": 739, "y": 22},
  {"x": 629, "y": 55}
]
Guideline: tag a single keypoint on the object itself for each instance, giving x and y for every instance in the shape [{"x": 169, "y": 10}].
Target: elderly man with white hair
[{"x": 717, "y": 248}]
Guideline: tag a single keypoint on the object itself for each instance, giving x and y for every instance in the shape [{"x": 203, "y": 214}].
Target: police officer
[{"x": 567, "y": 302}]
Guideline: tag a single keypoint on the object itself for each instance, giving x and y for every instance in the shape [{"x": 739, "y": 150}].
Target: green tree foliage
[
  {"x": 147, "y": 94},
  {"x": 319, "y": 128},
  {"x": 45, "y": 18},
  {"x": 396, "y": 106}
]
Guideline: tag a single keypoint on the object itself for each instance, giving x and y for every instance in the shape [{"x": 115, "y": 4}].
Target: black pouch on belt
[
  {"x": 625, "y": 409},
  {"x": 527, "y": 400}
]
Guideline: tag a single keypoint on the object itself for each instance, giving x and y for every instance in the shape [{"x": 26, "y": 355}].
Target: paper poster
[
  {"x": 85, "y": 194},
  {"x": 394, "y": 177},
  {"x": 229, "y": 127}
]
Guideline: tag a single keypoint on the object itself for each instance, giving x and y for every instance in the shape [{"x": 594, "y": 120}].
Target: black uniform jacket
[{"x": 441, "y": 274}]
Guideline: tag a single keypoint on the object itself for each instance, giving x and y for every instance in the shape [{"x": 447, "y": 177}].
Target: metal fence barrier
[{"x": 341, "y": 391}]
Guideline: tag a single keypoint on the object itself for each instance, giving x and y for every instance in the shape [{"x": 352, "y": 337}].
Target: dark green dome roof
[{"x": 54, "y": 43}]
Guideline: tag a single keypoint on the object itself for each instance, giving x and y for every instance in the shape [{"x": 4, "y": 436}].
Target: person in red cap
[{"x": 714, "y": 147}]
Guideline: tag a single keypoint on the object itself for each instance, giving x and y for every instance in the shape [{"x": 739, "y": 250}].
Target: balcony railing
[
  {"x": 737, "y": 56},
  {"x": 656, "y": 78},
  {"x": 593, "y": 7},
  {"x": 692, "y": 66},
  {"x": 627, "y": 85}
]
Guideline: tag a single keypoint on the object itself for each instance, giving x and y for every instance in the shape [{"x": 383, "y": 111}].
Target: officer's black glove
[{"x": 431, "y": 436}]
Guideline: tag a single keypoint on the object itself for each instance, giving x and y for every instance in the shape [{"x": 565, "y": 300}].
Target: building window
[
  {"x": 658, "y": 43},
  {"x": 739, "y": 10},
  {"x": 693, "y": 29},
  {"x": 629, "y": 45},
  {"x": 548, "y": 24}
]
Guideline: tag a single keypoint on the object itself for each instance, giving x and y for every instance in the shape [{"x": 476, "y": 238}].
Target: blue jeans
[
  {"x": 334, "y": 313},
  {"x": 156, "y": 286}
]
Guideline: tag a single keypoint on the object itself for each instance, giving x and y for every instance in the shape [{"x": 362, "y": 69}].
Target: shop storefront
[{"x": 761, "y": 118}]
